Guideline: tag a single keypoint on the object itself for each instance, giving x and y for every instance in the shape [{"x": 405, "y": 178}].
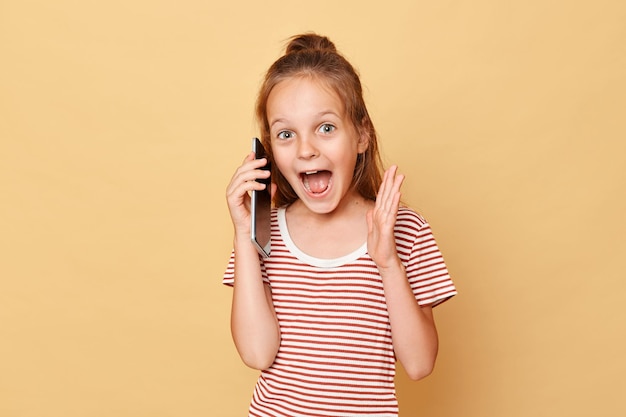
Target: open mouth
[{"x": 316, "y": 182}]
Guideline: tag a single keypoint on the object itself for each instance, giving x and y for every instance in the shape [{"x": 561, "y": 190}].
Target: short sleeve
[
  {"x": 229, "y": 275},
  {"x": 426, "y": 269}
]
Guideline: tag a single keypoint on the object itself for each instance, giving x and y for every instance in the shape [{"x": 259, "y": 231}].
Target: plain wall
[{"x": 121, "y": 123}]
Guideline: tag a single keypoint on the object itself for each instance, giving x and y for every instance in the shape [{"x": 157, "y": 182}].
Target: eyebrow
[
  {"x": 320, "y": 114},
  {"x": 328, "y": 112},
  {"x": 279, "y": 120}
]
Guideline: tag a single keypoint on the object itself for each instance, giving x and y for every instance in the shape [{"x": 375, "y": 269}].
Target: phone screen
[{"x": 261, "y": 207}]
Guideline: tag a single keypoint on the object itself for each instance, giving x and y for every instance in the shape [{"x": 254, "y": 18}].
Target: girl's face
[{"x": 314, "y": 143}]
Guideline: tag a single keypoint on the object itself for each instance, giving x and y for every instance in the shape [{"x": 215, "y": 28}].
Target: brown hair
[{"x": 315, "y": 56}]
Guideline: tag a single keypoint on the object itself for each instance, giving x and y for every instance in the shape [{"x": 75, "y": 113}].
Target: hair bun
[{"x": 310, "y": 41}]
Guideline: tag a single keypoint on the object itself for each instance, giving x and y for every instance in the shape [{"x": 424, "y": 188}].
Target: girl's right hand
[{"x": 238, "y": 191}]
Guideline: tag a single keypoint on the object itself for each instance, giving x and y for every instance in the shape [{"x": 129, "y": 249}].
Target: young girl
[{"x": 353, "y": 275}]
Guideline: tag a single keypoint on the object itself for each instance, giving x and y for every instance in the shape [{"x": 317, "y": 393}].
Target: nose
[{"x": 307, "y": 149}]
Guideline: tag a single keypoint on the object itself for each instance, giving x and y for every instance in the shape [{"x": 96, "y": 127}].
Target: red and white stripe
[{"x": 336, "y": 356}]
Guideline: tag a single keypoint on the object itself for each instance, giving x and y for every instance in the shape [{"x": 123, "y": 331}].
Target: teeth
[{"x": 310, "y": 172}]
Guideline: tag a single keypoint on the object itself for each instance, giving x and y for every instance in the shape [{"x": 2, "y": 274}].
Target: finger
[
  {"x": 389, "y": 211},
  {"x": 251, "y": 156},
  {"x": 382, "y": 191},
  {"x": 395, "y": 195},
  {"x": 397, "y": 185},
  {"x": 391, "y": 189},
  {"x": 250, "y": 170},
  {"x": 387, "y": 188},
  {"x": 245, "y": 181},
  {"x": 250, "y": 162}
]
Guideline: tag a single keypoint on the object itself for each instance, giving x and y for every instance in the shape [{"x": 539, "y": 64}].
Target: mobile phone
[{"x": 261, "y": 207}]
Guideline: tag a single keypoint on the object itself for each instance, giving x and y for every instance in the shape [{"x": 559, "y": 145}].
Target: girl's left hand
[{"x": 381, "y": 242}]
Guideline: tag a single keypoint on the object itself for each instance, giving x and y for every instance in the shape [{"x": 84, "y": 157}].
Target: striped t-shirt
[{"x": 336, "y": 356}]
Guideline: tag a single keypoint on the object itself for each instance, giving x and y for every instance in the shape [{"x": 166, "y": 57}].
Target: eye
[
  {"x": 326, "y": 128},
  {"x": 285, "y": 134}
]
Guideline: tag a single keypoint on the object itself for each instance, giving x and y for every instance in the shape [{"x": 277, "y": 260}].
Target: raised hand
[{"x": 381, "y": 243}]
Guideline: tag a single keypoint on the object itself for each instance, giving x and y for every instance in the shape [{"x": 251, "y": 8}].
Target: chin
[{"x": 319, "y": 207}]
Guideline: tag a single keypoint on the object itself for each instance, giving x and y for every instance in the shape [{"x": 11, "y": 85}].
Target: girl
[{"x": 353, "y": 276}]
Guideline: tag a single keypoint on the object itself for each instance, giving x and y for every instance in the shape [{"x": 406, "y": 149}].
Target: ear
[{"x": 364, "y": 135}]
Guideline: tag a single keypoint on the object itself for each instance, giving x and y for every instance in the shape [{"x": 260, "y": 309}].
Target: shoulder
[
  {"x": 408, "y": 218},
  {"x": 410, "y": 229}
]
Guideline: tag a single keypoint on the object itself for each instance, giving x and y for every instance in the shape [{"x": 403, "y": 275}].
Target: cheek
[
  {"x": 349, "y": 155},
  {"x": 281, "y": 163}
]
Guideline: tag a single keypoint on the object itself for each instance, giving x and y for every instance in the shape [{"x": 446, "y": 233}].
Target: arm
[
  {"x": 413, "y": 330},
  {"x": 254, "y": 325}
]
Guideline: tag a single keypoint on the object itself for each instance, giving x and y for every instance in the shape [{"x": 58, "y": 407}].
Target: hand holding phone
[{"x": 261, "y": 207}]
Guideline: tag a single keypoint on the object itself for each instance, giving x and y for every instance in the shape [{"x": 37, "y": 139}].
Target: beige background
[{"x": 121, "y": 123}]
